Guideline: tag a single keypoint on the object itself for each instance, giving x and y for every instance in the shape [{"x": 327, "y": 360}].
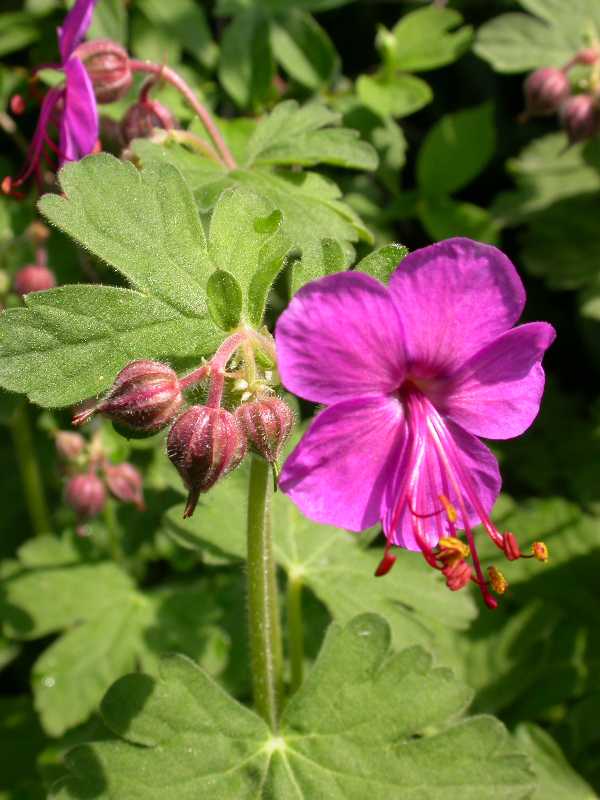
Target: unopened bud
[
  {"x": 34, "y": 278},
  {"x": 143, "y": 117},
  {"x": 204, "y": 444},
  {"x": 86, "y": 495},
  {"x": 588, "y": 56},
  {"x": 143, "y": 399},
  {"x": 125, "y": 483},
  {"x": 539, "y": 550},
  {"x": 69, "y": 445},
  {"x": 580, "y": 117},
  {"x": 107, "y": 64},
  {"x": 17, "y": 105},
  {"x": 267, "y": 424},
  {"x": 545, "y": 91}
]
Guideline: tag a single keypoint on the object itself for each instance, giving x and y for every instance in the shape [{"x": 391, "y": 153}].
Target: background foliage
[{"x": 353, "y": 124}]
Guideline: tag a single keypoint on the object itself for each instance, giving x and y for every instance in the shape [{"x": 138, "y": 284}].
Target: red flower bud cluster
[
  {"x": 548, "y": 91},
  {"x": 107, "y": 65}
]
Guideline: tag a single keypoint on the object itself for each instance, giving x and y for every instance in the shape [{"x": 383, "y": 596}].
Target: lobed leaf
[
  {"x": 426, "y": 39},
  {"x": 303, "y": 48}
]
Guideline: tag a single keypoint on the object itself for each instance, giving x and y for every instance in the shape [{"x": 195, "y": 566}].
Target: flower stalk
[
  {"x": 33, "y": 485},
  {"x": 263, "y": 611},
  {"x": 295, "y": 631}
]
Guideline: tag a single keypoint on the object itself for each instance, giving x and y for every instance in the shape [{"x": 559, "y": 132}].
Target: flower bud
[
  {"x": 125, "y": 483},
  {"x": 267, "y": 424},
  {"x": 34, "y": 278},
  {"x": 143, "y": 399},
  {"x": 86, "y": 495},
  {"x": 107, "y": 64},
  {"x": 580, "y": 117},
  {"x": 204, "y": 444},
  {"x": 69, "y": 445},
  {"x": 545, "y": 90},
  {"x": 143, "y": 117}
]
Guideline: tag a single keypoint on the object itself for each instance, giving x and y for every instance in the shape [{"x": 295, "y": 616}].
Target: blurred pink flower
[
  {"x": 72, "y": 107},
  {"x": 412, "y": 374}
]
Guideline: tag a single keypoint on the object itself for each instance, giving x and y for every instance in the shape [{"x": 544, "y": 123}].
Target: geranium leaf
[
  {"x": 394, "y": 95},
  {"x": 303, "y": 48},
  {"x": 246, "y": 66},
  {"x": 306, "y": 135},
  {"x": 426, "y": 39},
  {"x": 382, "y": 262},
  {"x": 225, "y": 299},
  {"x": 186, "y": 738}
]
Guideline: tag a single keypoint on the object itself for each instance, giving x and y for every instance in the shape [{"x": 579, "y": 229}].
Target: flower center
[{"x": 437, "y": 495}]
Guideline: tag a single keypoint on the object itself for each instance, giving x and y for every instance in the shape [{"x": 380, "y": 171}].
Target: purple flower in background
[
  {"x": 71, "y": 107},
  {"x": 412, "y": 374}
]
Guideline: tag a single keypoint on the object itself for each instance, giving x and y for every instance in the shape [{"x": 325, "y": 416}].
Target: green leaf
[
  {"x": 17, "y": 30},
  {"x": 109, "y": 22},
  {"x": 21, "y": 740},
  {"x": 304, "y": 135},
  {"x": 556, "y": 777},
  {"x": 346, "y": 734},
  {"x": 227, "y": 7},
  {"x": 519, "y": 42},
  {"x": 225, "y": 299},
  {"x": 246, "y": 66},
  {"x": 546, "y": 171},
  {"x": 184, "y": 21},
  {"x": 443, "y": 217},
  {"x": 393, "y": 95},
  {"x": 109, "y": 627},
  {"x": 382, "y": 262},
  {"x": 456, "y": 150},
  {"x": 425, "y": 39},
  {"x": 303, "y": 49}
]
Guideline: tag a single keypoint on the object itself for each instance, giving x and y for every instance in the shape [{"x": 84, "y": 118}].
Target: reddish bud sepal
[
  {"x": 143, "y": 117},
  {"x": 545, "y": 91},
  {"x": 580, "y": 117},
  {"x": 204, "y": 444},
  {"x": 267, "y": 423},
  {"x": 143, "y": 399},
  {"x": 125, "y": 483},
  {"x": 86, "y": 495},
  {"x": 69, "y": 445},
  {"x": 107, "y": 64},
  {"x": 34, "y": 278}
]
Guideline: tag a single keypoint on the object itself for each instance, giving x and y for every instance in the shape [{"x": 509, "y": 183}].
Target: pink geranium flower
[
  {"x": 71, "y": 107},
  {"x": 412, "y": 374}
]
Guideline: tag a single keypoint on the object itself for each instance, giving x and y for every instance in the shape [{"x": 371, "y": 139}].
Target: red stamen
[{"x": 386, "y": 563}]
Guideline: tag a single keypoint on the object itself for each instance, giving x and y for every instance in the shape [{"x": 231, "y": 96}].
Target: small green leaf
[
  {"x": 304, "y": 135},
  {"x": 348, "y": 733},
  {"x": 184, "y": 21},
  {"x": 17, "y": 30},
  {"x": 246, "y": 66},
  {"x": 393, "y": 95},
  {"x": 382, "y": 262},
  {"x": 519, "y": 42},
  {"x": 443, "y": 217},
  {"x": 224, "y": 299},
  {"x": 425, "y": 39},
  {"x": 109, "y": 22},
  {"x": 303, "y": 49},
  {"x": 456, "y": 150}
]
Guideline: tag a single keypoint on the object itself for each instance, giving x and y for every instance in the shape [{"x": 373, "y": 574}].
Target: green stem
[
  {"x": 31, "y": 475},
  {"x": 295, "y": 631},
  {"x": 113, "y": 531},
  {"x": 263, "y": 611}
]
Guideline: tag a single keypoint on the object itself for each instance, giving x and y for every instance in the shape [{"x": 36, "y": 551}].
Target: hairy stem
[
  {"x": 167, "y": 74},
  {"x": 263, "y": 611},
  {"x": 295, "y": 631},
  {"x": 31, "y": 475}
]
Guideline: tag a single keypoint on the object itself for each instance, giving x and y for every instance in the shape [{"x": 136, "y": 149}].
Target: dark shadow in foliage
[{"x": 87, "y": 778}]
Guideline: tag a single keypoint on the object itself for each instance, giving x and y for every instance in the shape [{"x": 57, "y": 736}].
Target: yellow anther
[
  {"x": 539, "y": 551},
  {"x": 497, "y": 580},
  {"x": 451, "y": 546},
  {"x": 449, "y": 508}
]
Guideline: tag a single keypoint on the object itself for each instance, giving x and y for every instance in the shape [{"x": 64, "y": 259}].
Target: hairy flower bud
[
  {"x": 86, "y": 495},
  {"x": 69, "y": 445},
  {"x": 204, "y": 445},
  {"x": 545, "y": 91},
  {"x": 143, "y": 399},
  {"x": 267, "y": 424},
  {"x": 125, "y": 483},
  {"x": 580, "y": 117},
  {"x": 34, "y": 278},
  {"x": 141, "y": 119},
  {"x": 107, "y": 64}
]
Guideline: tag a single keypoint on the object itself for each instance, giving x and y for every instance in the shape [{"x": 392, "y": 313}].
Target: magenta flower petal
[
  {"x": 74, "y": 27},
  {"x": 340, "y": 469},
  {"x": 341, "y": 337},
  {"x": 79, "y": 122},
  {"x": 498, "y": 391},
  {"x": 453, "y": 298}
]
